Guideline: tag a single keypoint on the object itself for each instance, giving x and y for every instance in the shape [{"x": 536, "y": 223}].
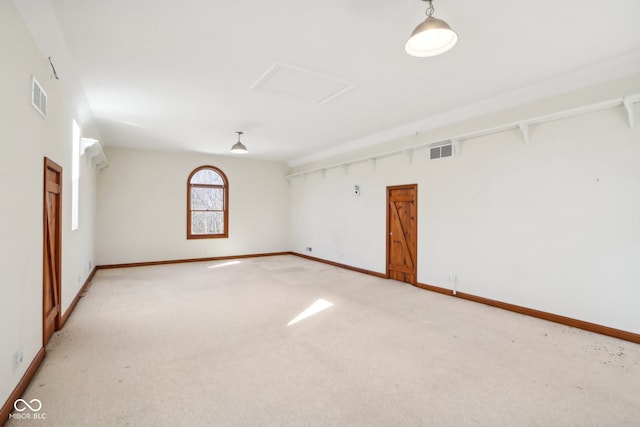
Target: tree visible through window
[{"x": 207, "y": 204}]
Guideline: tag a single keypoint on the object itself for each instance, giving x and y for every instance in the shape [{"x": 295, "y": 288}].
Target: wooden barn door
[
  {"x": 402, "y": 232},
  {"x": 52, "y": 249}
]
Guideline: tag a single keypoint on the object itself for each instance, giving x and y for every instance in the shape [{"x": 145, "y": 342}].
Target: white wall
[
  {"x": 25, "y": 139},
  {"x": 553, "y": 225},
  {"x": 143, "y": 199}
]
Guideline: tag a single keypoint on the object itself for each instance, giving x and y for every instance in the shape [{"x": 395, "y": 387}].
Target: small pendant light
[
  {"x": 239, "y": 147},
  {"x": 432, "y": 37}
]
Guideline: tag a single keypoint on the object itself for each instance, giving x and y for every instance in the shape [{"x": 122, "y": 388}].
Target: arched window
[{"x": 207, "y": 204}]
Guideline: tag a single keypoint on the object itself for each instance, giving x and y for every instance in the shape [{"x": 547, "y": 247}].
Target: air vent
[
  {"x": 38, "y": 97},
  {"x": 441, "y": 151}
]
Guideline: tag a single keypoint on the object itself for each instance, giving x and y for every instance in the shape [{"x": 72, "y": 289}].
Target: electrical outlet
[
  {"x": 17, "y": 360},
  {"x": 452, "y": 278},
  {"x": 309, "y": 249}
]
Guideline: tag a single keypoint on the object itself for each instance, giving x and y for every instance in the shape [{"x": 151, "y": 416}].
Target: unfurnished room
[{"x": 335, "y": 213}]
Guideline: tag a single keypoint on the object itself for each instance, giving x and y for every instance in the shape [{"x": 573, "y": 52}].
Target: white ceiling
[{"x": 180, "y": 75}]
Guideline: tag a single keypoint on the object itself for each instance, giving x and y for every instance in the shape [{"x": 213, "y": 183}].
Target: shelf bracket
[
  {"x": 457, "y": 146},
  {"x": 409, "y": 155},
  {"x": 524, "y": 128},
  {"x": 628, "y": 105}
]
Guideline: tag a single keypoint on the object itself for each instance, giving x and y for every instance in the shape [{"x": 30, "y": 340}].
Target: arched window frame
[{"x": 225, "y": 210}]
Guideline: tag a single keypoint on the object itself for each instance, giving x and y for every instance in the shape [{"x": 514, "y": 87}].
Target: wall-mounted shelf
[
  {"x": 523, "y": 125},
  {"x": 93, "y": 148}
]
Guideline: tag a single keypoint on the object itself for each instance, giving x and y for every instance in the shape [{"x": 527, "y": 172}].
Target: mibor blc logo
[{"x": 28, "y": 410}]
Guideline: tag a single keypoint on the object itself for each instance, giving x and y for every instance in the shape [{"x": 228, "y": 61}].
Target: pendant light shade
[
  {"x": 239, "y": 147},
  {"x": 431, "y": 37}
]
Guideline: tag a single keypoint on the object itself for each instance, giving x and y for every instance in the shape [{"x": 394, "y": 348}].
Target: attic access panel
[{"x": 303, "y": 84}]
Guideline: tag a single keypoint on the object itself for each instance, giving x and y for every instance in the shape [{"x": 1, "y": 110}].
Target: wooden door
[
  {"x": 52, "y": 249},
  {"x": 402, "y": 233}
]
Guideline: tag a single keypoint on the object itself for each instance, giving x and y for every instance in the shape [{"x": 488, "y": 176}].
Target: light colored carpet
[{"x": 207, "y": 344}]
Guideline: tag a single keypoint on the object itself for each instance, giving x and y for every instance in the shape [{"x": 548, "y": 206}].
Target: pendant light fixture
[
  {"x": 239, "y": 147},
  {"x": 432, "y": 37}
]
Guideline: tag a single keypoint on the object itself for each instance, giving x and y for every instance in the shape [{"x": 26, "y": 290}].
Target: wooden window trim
[{"x": 225, "y": 189}]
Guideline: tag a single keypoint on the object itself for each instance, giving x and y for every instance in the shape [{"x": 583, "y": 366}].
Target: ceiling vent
[
  {"x": 441, "y": 151},
  {"x": 38, "y": 97}
]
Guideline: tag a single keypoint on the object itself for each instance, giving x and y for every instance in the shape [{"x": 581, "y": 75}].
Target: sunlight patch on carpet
[
  {"x": 316, "y": 307},
  {"x": 225, "y": 264}
]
